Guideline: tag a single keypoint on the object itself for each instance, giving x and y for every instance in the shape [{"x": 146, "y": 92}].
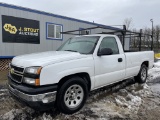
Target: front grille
[
  {"x": 16, "y": 73},
  {"x": 16, "y": 77},
  {"x": 17, "y": 69}
]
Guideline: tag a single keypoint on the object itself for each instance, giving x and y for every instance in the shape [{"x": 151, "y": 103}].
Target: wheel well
[
  {"x": 84, "y": 76},
  {"x": 146, "y": 63}
]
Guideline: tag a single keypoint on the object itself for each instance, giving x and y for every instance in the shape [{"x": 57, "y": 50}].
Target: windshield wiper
[{"x": 71, "y": 50}]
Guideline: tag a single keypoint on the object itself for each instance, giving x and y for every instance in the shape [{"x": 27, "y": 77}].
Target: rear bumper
[{"x": 41, "y": 101}]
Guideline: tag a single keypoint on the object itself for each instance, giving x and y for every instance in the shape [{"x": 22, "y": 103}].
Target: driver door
[{"x": 109, "y": 68}]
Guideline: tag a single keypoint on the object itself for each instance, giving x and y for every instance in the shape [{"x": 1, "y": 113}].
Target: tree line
[{"x": 145, "y": 39}]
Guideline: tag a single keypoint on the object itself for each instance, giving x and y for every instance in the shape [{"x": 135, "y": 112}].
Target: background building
[{"x": 24, "y": 31}]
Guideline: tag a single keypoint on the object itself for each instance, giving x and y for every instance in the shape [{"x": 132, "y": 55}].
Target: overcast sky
[{"x": 108, "y": 12}]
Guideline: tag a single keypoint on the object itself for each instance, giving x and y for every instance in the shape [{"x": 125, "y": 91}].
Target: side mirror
[{"x": 105, "y": 51}]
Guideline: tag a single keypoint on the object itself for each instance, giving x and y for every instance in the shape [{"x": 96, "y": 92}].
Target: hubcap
[
  {"x": 143, "y": 74},
  {"x": 73, "y": 96}
]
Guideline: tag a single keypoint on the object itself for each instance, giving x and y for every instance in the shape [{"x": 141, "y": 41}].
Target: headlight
[
  {"x": 33, "y": 70},
  {"x": 33, "y": 76},
  {"x": 31, "y": 81}
]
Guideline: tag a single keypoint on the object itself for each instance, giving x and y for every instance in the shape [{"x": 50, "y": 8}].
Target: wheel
[
  {"x": 142, "y": 75},
  {"x": 72, "y": 95}
]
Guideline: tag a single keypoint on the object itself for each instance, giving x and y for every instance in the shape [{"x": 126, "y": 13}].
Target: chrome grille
[
  {"x": 17, "y": 69},
  {"x": 16, "y": 73},
  {"x": 16, "y": 77}
]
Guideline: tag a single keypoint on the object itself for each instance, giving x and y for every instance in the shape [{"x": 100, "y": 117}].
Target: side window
[
  {"x": 54, "y": 31},
  {"x": 110, "y": 42}
]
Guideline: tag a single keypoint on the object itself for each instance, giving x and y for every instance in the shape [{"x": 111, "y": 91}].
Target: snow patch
[
  {"x": 3, "y": 90},
  {"x": 2, "y": 94},
  {"x": 154, "y": 72},
  {"x": 132, "y": 102},
  {"x": 11, "y": 114},
  {"x": 157, "y": 64},
  {"x": 46, "y": 117}
]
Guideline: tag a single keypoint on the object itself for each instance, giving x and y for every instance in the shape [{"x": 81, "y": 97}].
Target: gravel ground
[{"x": 125, "y": 100}]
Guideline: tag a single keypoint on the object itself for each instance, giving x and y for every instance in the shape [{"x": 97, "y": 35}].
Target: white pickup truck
[{"x": 63, "y": 78}]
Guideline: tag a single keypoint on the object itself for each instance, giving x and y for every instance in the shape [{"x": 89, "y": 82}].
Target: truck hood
[{"x": 45, "y": 58}]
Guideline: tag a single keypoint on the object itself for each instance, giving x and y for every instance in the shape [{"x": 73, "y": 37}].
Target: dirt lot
[
  {"x": 3, "y": 77},
  {"x": 125, "y": 100}
]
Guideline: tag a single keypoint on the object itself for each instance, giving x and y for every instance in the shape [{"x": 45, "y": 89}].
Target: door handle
[{"x": 120, "y": 59}]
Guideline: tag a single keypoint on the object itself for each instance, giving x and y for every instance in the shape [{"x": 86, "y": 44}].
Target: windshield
[{"x": 83, "y": 45}]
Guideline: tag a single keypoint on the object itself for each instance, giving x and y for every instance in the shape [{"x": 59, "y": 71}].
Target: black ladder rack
[{"x": 124, "y": 33}]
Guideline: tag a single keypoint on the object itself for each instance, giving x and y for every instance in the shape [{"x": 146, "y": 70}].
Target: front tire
[
  {"x": 142, "y": 75},
  {"x": 72, "y": 95}
]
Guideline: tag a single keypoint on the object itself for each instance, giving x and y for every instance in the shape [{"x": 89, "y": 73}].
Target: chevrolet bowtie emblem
[{"x": 12, "y": 70}]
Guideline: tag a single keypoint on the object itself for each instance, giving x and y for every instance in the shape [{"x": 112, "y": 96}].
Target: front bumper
[{"x": 40, "y": 101}]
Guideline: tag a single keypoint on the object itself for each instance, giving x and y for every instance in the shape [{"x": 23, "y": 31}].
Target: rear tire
[
  {"x": 142, "y": 75},
  {"x": 72, "y": 95}
]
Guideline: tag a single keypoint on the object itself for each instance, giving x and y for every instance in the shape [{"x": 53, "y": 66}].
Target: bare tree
[
  {"x": 134, "y": 44},
  {"x": 128, "y": 22},
  {"x": 157, "y": 35},
  {"x": 147, "y": 38}
]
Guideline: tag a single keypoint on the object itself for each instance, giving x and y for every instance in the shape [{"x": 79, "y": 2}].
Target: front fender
[{"x": 52, "y": 74}]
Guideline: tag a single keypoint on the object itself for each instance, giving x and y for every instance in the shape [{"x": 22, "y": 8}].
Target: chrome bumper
[{"x": 44, "y": 98}]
